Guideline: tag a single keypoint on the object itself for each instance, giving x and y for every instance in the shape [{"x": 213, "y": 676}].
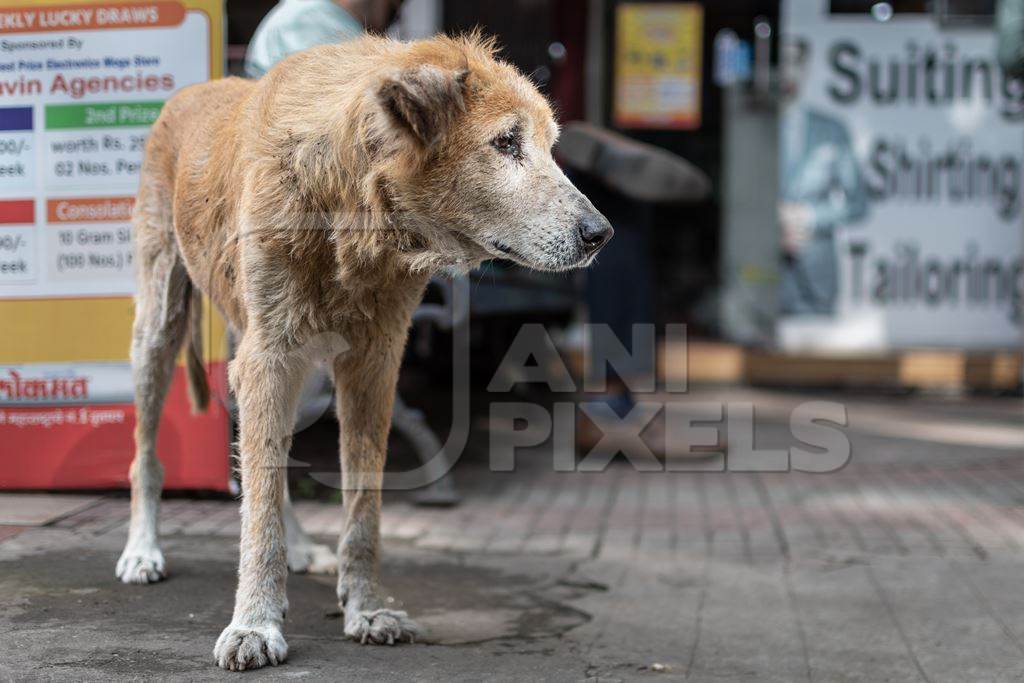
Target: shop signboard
[
  {"x": 80, "y": 85},
  {"x": 658, "y": 65},
  {"x": 900, "y": 203}
]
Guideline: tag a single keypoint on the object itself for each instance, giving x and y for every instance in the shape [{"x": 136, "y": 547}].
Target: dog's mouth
[{"x": 505, "y": 251}]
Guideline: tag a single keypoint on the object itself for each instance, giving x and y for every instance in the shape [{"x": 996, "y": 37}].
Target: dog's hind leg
[
  {"x": 161, "y": 316},
  {"x": 305, "y": 555},
  {"x": 267, "y": 382}
]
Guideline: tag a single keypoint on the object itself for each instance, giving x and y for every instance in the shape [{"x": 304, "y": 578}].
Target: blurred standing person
[
  {"x": 292, "y": 26},
  {"x": 295, "y": 25},
  {"x": 822, "y": 191},
  {"x": 626, "y": 179}
]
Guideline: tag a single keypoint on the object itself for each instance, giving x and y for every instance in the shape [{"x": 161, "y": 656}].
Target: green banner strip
[{"x": 65, "y": 116}]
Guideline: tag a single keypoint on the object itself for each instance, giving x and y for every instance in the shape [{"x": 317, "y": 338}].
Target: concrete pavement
[{"x": 905, "y": 565}]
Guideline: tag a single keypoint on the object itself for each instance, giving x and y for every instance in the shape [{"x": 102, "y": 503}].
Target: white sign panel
[
  {"x": 75, "y": 110},
  {"x": 901, "y": 173}
]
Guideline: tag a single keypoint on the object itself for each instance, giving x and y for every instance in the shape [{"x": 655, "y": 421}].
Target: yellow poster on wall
[
  {"x": 658, "y": 65},
  {"x": 81, "y": 82}
]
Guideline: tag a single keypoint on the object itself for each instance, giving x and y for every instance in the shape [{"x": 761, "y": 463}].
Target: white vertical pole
[
  {"x": 594, "y": 70},
  {"x": 419, "y": 19}
]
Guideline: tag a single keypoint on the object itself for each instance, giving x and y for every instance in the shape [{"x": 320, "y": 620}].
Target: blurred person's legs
[
  {"x": 810, "y": 278},
  {"x": 619, "y": 294}
]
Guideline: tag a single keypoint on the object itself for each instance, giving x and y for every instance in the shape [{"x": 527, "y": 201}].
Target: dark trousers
[{"x": 620, "y": 285}]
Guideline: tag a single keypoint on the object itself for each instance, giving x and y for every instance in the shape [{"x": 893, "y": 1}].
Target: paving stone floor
[{"x": 905, "y": 565}]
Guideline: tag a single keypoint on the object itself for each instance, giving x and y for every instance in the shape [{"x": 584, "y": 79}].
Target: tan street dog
[{"x": 312, "y": 206}]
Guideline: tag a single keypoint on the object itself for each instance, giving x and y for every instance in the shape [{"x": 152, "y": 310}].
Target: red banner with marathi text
[{"x": 81, "y": 82}]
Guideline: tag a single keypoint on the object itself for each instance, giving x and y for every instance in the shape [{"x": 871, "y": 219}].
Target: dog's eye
[{"x": 509, "y": 144}]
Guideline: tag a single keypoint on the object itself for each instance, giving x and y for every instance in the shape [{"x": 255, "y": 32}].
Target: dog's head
[{"x": 480, "y": 167}]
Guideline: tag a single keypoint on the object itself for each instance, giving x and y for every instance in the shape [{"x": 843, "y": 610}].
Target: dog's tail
[{"x": 198, "y": 386}]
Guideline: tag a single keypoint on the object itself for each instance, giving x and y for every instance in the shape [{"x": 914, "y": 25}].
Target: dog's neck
[
  {"x": 424, "y": 246},
  {"x": 369, "y": 225},
  {"x": 372, "y": 247},
  {"x": 382, "y": 238}
]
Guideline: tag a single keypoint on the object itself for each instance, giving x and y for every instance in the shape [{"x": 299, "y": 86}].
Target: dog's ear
[{"x": 425, "y": 101}]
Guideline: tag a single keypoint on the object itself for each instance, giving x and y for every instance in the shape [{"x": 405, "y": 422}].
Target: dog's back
[
  {"x": 174, "y": 270},
  {"x": 214, "y": 140},
  {"x": 191, "y": 120},
  {"x": 192, "y": 144}
]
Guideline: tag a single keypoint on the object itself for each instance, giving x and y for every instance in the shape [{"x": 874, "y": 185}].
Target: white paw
[
  {"x": 381, "y": 627},
  {"x": 141, "y": 565},
  {"x": 250, "y": 647},
  {"x": 313, "y": 559}
]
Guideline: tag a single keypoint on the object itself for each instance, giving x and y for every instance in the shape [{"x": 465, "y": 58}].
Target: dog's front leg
[
  {"x": 365, "y": 385},
  {"x": 266, "y": 384}
]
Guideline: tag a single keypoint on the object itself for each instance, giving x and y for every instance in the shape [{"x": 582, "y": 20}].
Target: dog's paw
[
  {"x": 381, "y": 627},
  {"x": 313, "y": 559},
  {"x": 141, "y": 565},
  {"x": 250, "y": 647}
]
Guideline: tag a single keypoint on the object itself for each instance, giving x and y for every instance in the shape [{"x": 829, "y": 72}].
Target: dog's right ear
[{"x": 425, "y": 101}]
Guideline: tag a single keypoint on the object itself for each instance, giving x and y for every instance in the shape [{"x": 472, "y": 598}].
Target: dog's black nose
[{"x": 595, "y": 231}]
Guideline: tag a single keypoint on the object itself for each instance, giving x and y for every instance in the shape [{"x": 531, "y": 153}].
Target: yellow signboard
[
  {"x": 81, "y": 82},
  {"x": 658, "y": 65}
]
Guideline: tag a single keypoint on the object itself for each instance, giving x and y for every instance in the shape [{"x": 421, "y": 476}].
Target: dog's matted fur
[{"x": 312, "y": 206}]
